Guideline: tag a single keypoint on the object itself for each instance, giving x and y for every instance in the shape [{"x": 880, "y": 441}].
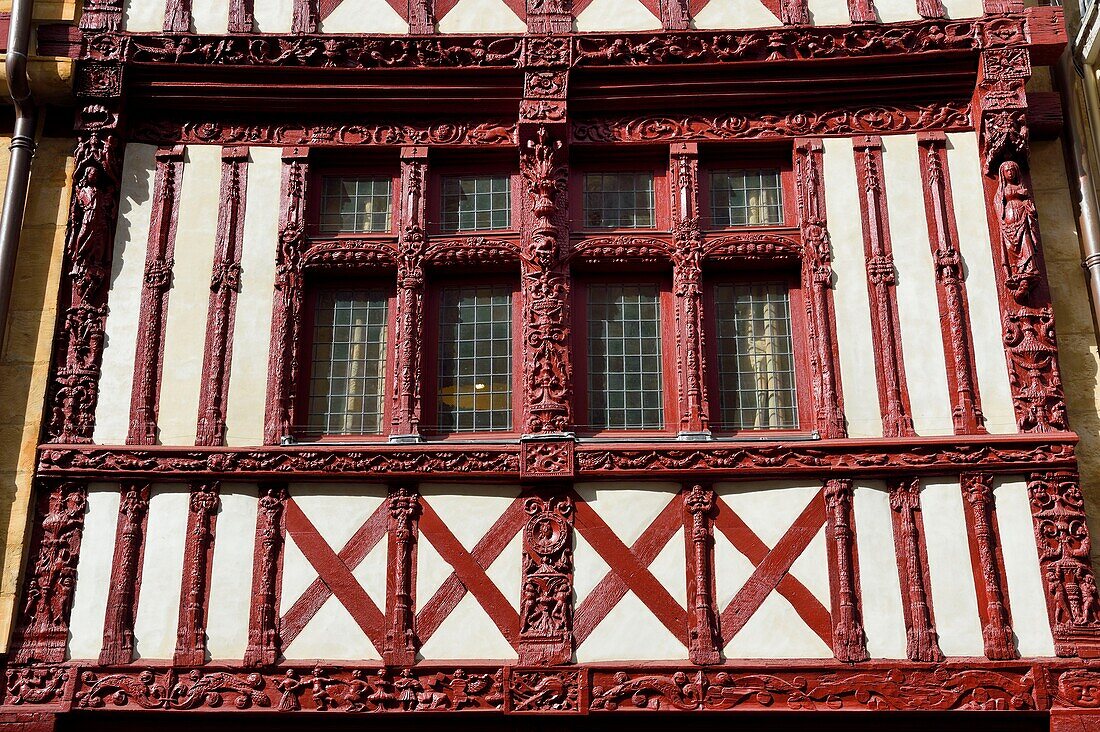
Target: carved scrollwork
[
  {"x": 472, "y": 250},
  {"x": 348, "y": 254},
  {"x": 620, "y": 249},
  {"x": 753, "y": 247}
]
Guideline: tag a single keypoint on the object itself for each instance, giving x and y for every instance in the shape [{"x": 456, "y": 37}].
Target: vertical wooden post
[
  {"x": 198, "y": 553},
  {"x": 401, "y": 641},
  {"x": 122, "y": 594},
  {"x": 546, "y": 597},
  {"x": 704, "y": 636},
  {"x": 977, "y": 490},
  {"x": 849, "y": 638},
  {"x": 263, "y": 624},
  {"x": 922, "y": 643}
]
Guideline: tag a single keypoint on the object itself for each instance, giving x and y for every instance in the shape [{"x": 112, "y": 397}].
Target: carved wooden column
[
  {"x": 118, "y": 626},
  {"x": 849, "y": 638},
  {"x": 943, "y": 237},
  {"x": 225, "y": 283},
  {"x": 794, "y": 12},
  {"x": 704, "y": 638},
  {"x": 881, "y": 281},
  {"x": 177, "y": 16},
  {"x": 543, "y": 131},
  {"x": 89, "y": 244},
  {"x": 409, "y": 345},
  {"x": 1058, "y": 510},
  {"x": 421, "y": 17},
  {"x": 977, "y": 489},
  {"x": 862, "y": 11},
  {"x": 1027, "y": 317},
  {"x": 306, "y": 17},
  {"x": 198, "y": 553},
  {"x": 263, "y": 631},
  {"x": 549, "y": 17},
  {"x": 101, "y": 15},
  {"x": 675, "y": 14},
  {"x": 922, "y": 643},
  {"x": 43, "y": 628},
  {"x": 817, "y": 281},
  {"x": 546, "y": 598},
  {"x": 286, "y": 316},
  {"x": 687, "y": 275},
  {"x": 153, "y": 315},
  {"x": 242, "y": 18},
  {"x": 401, "y": 641}
]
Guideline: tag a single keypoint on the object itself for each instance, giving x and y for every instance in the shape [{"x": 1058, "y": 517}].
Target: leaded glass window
[
  {"x": 624, "y": 357},
  {"x": 746, "y": 198},
  {"x": 355, "y": 205},
  {"x": 476, "y": 203},
  {"x": 618, "y": 200}
]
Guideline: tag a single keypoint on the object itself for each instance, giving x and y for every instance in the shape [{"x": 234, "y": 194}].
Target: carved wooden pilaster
[
  {"x": 922, "y": 642},
  {"x": 931, "y": 9},
  {"x": 177, "y": 16},
  {"x": 242, "y": 18},
  {"x": 1058, "y": 512},
  {"x": 675, "y": 14},
  {"x": 148, "y": 361},
  {"x": 101, "y": 15},
  {"x": 1027, "y": 316},
  {"x": 849, "y": 638},
  {"x": 421, "y": 17},
  {"x": 817, "y": 282},
  {"x": 794, "y": 12},
  {"x": 263, "y": 624},
  {"x": 287, "y": 313},
  {"x": 687, "y": 275},
  {"x": 862, "y": 11},
  {"x": 225, "y": 283},
  {"x": 89, "y": 244},
  {"x": 881, "y": 286},
  {"x": 962, "y": 378},
  {"x": 198, "y": 552},
  {"x": 43, "y": 629},
  {"x": 546, "y": 598},
  {"x": 409, "y": 350},
  {"x": 118, "y": 626},
  {"x": 704, "y": 638},
  {"x": 549, "y": 17},
  {"x": 306, "y": 17},
  {"x": 979, "y": 506},
  {"x": 401, "y": 641}
]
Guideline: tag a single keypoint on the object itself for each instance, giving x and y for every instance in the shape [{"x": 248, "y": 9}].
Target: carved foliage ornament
[
  {"x": 212, "y": 131},
  {"x": 546, "y": 603}
]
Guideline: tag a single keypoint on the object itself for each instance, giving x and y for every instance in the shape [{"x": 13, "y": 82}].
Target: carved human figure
[
  {"x": 90, "y": 236},
  {"x": 408, "y": 689},
  {"x": 355, "y": 695},
  {"x": 1019, "y": 222},
  {"x": 291, "y": 687}
]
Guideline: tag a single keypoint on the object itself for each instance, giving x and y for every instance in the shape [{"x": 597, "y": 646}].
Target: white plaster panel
[
  {"x": 981, "y": 286},
  {"x": 628, "y": 508},
  {"x": 506, "y": 572},
  {"x": 468, "y": 632},
  {"x": 735, "y": 14},
  {"x": 776, "y": 631},
  {"x": 895, "y": 11},
  {"x": 364, "y": 16},
  {"x": 880, "y": 588},
  {"x": 158, "y": 605},
  {"x": 124, "y": 299},
  {"x": 373, "y": 571},
  {"x": 956, "y": 9},
  {"x": 1026, "y": 596},
  {"x": 332, "y": 634},
  {"x": 812, "y": 569},
  {"x": 468, "y": 511},
  {"x": 481, "y": 16},
  {"x": 630, "y": 632},
  {"x": 231, "y": 573},
  {"x": 853, "y": 310},
  {"x": 670, "y": 568},
  {"x": 954, "y": 598},
  {"x": 431, "y": 571},
  {"x": 209, "y": 16},
  {"x": 613, "y": 15},
  {"x": 921, "y": 336},
  {"x": 189, "y": 298},
  {"x": 589, "y": 568},
  {"x": 732, "y": 570},
  {"x": 143, "y": 15},
  {"x": 93, "y": 571},
  {"x": 769, "y": 508},
  {"x": 829, "y": 12},
  {"x": 246, "y": 400},
  {"x": 273, "y": 16}
]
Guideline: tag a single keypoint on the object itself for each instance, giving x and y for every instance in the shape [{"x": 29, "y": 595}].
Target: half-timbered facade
[{"x": 611, "y": 356}]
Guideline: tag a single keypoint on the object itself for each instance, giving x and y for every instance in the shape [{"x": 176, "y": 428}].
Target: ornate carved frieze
[
  {"x": 977, "y": 489},
  {"x": 401, "y": 642},
  {"x": 471, "y": 251},
  {"x": 1033, "y": 370},
  {"x": 546, "y": 601},
  {"x": 704, "y": 636},
  {"x": 349, "y": 254},
  {"x": 118, "y": 627},
  {"x": 263, "y": 631},
  {"x": 620, "y": 248},
  {"x": 41, "y": 634},
  {"x": 218, "y": 132},
  {"x": 1058, "y": 510},
  {"x": 752, "y": 247},
  {"x": 405, "y": 422},
  {"x": 922, "y": 642},
  {"x": 849, "y": 638},
  {"x": 545, "y": 691},
  {"x": 198, "y": 553}
]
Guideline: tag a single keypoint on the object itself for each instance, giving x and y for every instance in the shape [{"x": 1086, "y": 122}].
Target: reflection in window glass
[
  {"x": 618, "y": 200},
  {"x": 624, "y": 357},
  {"x": 475, "y": 359},
  {"x": 360, "y": 205},
  {"x": 755, "y": 359},
  {"x": 349, "y": 362},
  {"x": 746, "y": 198},
  {"x": 476, "y": 203}
]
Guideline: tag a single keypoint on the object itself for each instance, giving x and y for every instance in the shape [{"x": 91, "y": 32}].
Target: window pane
[
  {"x": 476, "y": 203},
  {"x": 618, "y": 200},
  {"x": 624, "y": 357},
  {"x": 475, "y": 359},
  {"x": 746, "y": 198},
  {"x": 755, "y": 357},
  {"x": 358, "y": 205},
  {"x": 348, "y": 362}
]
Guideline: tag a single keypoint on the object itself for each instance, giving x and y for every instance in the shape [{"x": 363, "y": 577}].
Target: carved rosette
[
  {"x": 546, "y": 602},
  {"x": 42, "y": 633},
  {"x": 849, "y": 638},
  {"x": 204, "y": 504},
  {"x": 118, "y": 628},
  {"x": 997, "y": 633},
  {"x": 263, "y": 630},
  {"x": 922, "y": 642},
  {"x": 401, "y": 641},
  {"x": 704, "y": 638},
  {"x": 1058, "y": 511}
]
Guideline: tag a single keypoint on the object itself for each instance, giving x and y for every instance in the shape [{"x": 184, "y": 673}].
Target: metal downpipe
[{"x": 22, "y": 150}]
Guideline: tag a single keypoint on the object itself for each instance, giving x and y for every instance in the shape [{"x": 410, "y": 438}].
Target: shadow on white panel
[
  {"x": 231, "y": 573},
  {"x": 880, "y": 588}
]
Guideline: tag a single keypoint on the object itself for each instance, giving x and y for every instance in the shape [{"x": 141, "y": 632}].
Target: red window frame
[
  {"x": 313, "y": 291},
  {"x": 731, "y": 159},
  {"x": 800, "y": 345},
  {"x": 429, "y": 415},
  {"x": 460, "y": 165},
  {"x": 371, "y": 169},
  {"x": 579, "y": 347},
  {"x": 616, "y": 161}
]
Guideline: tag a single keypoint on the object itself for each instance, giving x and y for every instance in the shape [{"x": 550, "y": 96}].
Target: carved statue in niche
[
  {"x": 91, "y": 235},
  {"x": 1019, "y": 227}
]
